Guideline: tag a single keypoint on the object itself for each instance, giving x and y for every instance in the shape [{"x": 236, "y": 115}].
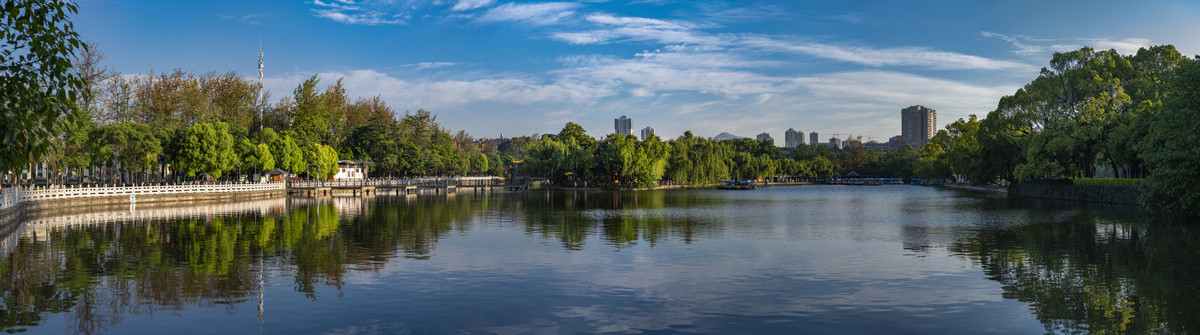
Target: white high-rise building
[
  {"x": 623, "y": 125},
  {"x": 646, "y": 132},
  {"x": 793, "y": 138}
]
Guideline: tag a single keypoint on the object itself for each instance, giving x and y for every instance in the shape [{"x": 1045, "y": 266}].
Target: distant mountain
[{"x": 727, "y": 136}]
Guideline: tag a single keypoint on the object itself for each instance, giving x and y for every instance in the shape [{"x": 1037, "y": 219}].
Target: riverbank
[
  {"x": 679, "y": 187},
  {"x": 969, "y": 187},
  {"x": 1120, "y": 195}
]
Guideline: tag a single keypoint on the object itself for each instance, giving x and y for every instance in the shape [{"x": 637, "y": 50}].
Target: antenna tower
[{"x": 261, "y": 119}]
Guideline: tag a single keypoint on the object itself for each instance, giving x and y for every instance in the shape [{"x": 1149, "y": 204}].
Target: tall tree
[
  {"x": 39, "y": 87},
  {"x": 1170, "y": 149},
  {"x": 309, "y": 116}
]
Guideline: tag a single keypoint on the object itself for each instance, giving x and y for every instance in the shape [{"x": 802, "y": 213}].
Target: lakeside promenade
[{"x": 12, "y": 198}]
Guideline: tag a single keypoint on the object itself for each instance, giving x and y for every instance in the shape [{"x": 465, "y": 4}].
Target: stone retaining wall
[{"x": 1095, "y": 194}]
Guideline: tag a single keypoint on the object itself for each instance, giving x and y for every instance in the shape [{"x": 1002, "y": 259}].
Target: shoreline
[
  {"x": 676, "y": 187},
  {"x": 969, "y": 187}
]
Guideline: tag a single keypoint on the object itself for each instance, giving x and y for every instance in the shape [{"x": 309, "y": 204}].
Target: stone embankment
[{"x": 1096, "y": 194}]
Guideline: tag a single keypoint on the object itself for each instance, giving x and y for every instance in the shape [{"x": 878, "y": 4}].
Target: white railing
[
  {"x": 11, "y": 197},
  {"x": 425, "y": 181}
]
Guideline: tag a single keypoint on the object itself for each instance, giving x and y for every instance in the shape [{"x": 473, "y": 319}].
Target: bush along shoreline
[{"x": 1108, "y": 191}]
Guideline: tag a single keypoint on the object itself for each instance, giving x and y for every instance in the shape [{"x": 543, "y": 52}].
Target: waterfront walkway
[
  {"x": 436, "y": 185},
  {"x": 14, "y": 197}
]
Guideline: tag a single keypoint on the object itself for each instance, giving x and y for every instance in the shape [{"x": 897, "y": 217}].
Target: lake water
[{"x": 796, "y": 259}]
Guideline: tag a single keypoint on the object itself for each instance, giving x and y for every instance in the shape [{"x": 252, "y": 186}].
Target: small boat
[{"x": 737, "y": 185}]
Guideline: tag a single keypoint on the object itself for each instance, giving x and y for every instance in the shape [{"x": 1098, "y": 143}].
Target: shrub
[{"x": 1110, "y": 182}]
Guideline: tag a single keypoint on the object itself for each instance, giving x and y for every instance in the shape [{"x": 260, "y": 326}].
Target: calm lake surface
[{"x": 796, "y": 259}]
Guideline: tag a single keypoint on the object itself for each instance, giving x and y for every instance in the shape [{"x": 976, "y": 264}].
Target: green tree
[
  {"x": 310, "y": 116},
  {"x": 324, "y": 160},
  {"x": 288, "y": 155},
  {"x": 255, "y": 156},
  {"x": 39, "y": 87},
  {"x": 1170, "y": 149},
  {"x": 480, "y": 164},
  {"x": 207, "y": 148}
]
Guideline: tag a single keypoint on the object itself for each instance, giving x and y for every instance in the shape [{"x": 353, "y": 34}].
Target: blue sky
[{"x": 496, "y": 67}]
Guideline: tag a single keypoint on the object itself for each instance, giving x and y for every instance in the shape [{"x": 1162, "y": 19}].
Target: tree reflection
[
  {"x": 621, "y": 218},
  {"x": 1091, "y": 273},
  {"x": 98, "y": 274}
]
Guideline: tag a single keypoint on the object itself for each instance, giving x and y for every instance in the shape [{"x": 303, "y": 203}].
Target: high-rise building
[
  {"x": 793, "y": 138},
  {"x": 835, "y": 143},
  {"x": 813, "y": 139},
  {"x": 646, "y": 132},
  {"x": 764, "y": 136},
  {"x": 918, "y": 124},
  {"x": 623, "y": 125}
]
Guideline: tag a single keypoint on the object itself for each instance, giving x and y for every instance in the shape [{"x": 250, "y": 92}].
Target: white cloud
[
  {"x": 1126, "y": 46},
  {"x": 344, "y": 5},
  {"x": 658, "y": 71},
  {"x": 1020, "y": 47},
  {"x": 586, "y": 37},
  {"x": 898, "y": 56},
  {"x": 640, "y": 29},
  {"x": 541, "y": 14},
  {"x": 430, "y": 65},
  {"x": 1043, "y": 47},
  {"x": 611, "y": 29},
  {"x": 364, "y": 13},
  {"x": 370, "y": 18},
  {"x": 471, "y": 4},
  {"x": 452, "y": 93}
]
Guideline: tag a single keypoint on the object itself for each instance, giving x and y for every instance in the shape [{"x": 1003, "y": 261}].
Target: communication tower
[{"x": 258, "y": 100}]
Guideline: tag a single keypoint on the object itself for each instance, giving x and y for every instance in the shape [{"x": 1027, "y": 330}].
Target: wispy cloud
[
  {"x": 848, "y": 17},
  {"x": 349, "y": 12},
  {"x": 462, "y": 5},
  {"x": 897, "y": 56},
  {"x": 1039, "y": 47},
  {"x": 724, "y": 12},
  {"x": 251, "y": 19},
  {"x": 615, "y": 28},
  {"x": 430, "y": 65},
  {"x": 540, "y": 14}
]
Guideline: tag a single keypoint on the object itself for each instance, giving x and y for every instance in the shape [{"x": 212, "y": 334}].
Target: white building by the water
[{"x": 351, "y": 170}]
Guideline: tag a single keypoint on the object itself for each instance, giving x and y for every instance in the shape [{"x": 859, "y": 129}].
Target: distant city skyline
[{"x": 518, "y": 68}]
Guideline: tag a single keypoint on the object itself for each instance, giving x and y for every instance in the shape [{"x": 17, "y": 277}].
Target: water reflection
[
  {"x": 98, "y": 267},
  {"x": 825, "y": 259},
  {"x": 97, "y": 273},
  {"x": 1106, "y": 270},
  {"x": 622, "y": 218}
]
